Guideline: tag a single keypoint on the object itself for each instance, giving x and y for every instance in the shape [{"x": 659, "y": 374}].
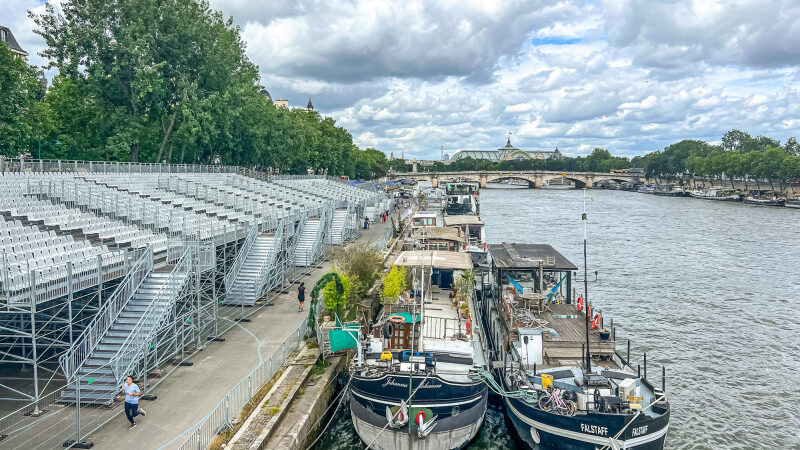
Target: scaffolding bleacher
[{"x": 111, "y": 269}]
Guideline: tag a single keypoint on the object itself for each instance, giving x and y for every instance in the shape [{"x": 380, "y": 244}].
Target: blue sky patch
[{"x": 555, "y": 41}]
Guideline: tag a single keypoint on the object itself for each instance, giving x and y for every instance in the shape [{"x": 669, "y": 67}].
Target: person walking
[
  {"x": 301, "y": 296},
  {"x": 132, "y": 394}
]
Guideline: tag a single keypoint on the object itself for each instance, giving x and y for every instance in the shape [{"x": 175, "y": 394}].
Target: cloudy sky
[{"x": 628, "y": 75}]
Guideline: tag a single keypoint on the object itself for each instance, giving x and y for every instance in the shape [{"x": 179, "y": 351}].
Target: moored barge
[
  {"x": 563, "y": 385},
  {"x": 413, "y": 384}
]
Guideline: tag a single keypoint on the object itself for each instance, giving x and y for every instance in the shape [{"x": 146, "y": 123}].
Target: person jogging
[
  {"x": 132, "y": 394},
  {"x": 301, "y": 295}
]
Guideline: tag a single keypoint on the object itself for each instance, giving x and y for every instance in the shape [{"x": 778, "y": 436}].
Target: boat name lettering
[
  {"x": 594, "y": 429},
  {"x": 639, "y": 431},
  {"x": 391, "y": 382}
]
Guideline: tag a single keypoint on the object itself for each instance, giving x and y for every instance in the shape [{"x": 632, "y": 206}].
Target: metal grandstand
[{"x": 110, "y": 269}]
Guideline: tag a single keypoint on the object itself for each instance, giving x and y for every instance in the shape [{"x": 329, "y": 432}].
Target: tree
[
  {"x": 335, "y": 299},
  {"x": 736, "y": 140},
  {"x": 394, "y": 284},
  {"x": 21, "y": 112},
  {"x": 792, "y": 147},
  {"x": 362, "y": 263}
]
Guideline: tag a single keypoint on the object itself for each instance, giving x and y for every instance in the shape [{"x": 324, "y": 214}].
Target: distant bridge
[{"x": 535, "y": 178}]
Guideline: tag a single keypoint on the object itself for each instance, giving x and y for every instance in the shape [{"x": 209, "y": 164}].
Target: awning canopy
[
  {"x": 443, "y": 233},
  {"x": 451, "y": 221},
  {"x": 438, "y": 259}
]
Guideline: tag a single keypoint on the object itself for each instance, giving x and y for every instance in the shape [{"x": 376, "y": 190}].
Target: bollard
[{"x": 645, "y": 365}]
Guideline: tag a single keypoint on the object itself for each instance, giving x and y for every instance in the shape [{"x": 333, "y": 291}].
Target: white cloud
[
  {"x": 519, "y": 108},
  {"x": 628, "y": 75}
]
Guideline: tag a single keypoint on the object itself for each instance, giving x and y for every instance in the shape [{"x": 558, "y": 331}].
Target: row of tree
[
  {"x": 164, "y": 81},
  {"x": 739, "y": 156},
  {"x": 600, "y": 160}
]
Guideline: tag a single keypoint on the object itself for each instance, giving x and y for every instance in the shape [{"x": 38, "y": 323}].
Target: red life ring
[
  {"x": 580, "y": 304},
  {"x": 396, "y": 319},
  {"x": 596, "y": 321},
  {"x": 484, "y": 246},
  {"x": 469, "y": 326},
  {"x": 422, "y": 413}
]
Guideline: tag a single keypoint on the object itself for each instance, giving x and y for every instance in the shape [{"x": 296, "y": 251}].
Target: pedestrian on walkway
[
  {"x": 301, "y": 295},
  {"x": 132, "y": 394}
]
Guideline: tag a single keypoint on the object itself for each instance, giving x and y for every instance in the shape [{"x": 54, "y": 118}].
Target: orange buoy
[
  {"x": 396, "y": 319},
  {"x": 596, "y": 321},
  {"x": 469, "y": 326},
  {"x": 580, "y": 304}
]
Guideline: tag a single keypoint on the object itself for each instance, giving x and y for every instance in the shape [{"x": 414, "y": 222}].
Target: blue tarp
[{"x": 516, "y": 285}]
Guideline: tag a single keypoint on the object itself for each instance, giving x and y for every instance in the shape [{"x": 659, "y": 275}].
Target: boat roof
[
  {"x": 437, "y": 258},
  {"x": 445, "y": 233},
  {"x": 462, "y": 220},
  {"x": 528, "y": 256}
]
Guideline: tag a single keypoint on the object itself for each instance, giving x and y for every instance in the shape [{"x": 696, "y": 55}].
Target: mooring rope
[{"x": 488, "y": 379}]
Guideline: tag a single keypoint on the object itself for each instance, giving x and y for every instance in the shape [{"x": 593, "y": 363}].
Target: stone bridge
[{"x": 535, "y": 178}]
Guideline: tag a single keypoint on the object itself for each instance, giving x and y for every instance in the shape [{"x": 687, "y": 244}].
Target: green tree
[
  {"x": 22, "y": 114},
  {"x": 334, "y": 300},
  {"x": 361, "y": 262},
  {"x": 394, "y": 284}
]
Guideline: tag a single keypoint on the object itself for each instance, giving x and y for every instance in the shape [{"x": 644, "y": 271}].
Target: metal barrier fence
[{"x": 222, "y": 415}]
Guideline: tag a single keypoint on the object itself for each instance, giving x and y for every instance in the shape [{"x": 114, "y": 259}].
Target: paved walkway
[{"x": 187, "y": 395}]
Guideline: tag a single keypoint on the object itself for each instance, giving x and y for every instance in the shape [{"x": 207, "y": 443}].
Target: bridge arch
[
  {"x": 579, "y": 183},
  {"x": 531, "y": 183}
]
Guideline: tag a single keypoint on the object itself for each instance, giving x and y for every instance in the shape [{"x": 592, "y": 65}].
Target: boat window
[
  {"x": 456, "y": 410},
  {"x": 369, "y": 406}
]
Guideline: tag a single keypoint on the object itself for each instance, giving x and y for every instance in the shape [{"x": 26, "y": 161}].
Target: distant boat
[
  {"x": 764, "y": 198},
  {"x": 793, "y": 201},
  {"x": 713, "y": 194},
  {"x": 646, "y": 190},
  {"x": 670, "y": 191}
]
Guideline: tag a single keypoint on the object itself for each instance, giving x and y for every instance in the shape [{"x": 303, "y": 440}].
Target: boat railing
[{"x": 443, "y": 328}]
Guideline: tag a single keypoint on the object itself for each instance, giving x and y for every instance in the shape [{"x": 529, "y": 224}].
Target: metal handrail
[
  {"x": 130, "y": 351},
  {"x": 74, "y": 358},
  {"x": 261, "y": 283},
  {"x": 238, "y": 263}
]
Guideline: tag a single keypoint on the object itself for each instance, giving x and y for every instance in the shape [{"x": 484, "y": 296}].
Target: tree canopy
[{"x": 165, "y": 81}]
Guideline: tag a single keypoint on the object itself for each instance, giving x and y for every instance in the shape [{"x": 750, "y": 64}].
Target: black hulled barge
[{"x": 537, "y": 336}]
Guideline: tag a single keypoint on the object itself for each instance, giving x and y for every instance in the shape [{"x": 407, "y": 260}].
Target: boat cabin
[
  {"x": 437, "y": 238},
  {"x": 546, "y": 325},
  {"x": 462, "y": 198},
  {"x": 426, "y": 219}
]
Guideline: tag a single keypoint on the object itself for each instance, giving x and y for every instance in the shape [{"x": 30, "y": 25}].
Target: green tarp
[{"x": 343, "y": 339}]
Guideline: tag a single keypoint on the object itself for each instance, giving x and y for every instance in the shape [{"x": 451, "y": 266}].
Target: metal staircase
[
  {"x": 255, "y": 270},
  {"x": 339, "y": 225},
  {"x": 309, "y": 243},
  {"x": 117, "y": 341}
]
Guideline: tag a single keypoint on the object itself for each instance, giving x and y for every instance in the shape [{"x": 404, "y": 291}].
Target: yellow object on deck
[
  {"x": 634, "y": 399},
  {"x": 547, "y": 381},
  {"x": 386, "y": 356},
  {"x": 635, "y": 406}
]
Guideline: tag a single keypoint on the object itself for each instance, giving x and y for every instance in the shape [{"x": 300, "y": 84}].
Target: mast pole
[{"x": 586, "y": 286}]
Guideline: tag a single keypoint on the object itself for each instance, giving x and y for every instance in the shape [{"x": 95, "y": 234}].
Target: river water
[{"x": 708, "y": 289}]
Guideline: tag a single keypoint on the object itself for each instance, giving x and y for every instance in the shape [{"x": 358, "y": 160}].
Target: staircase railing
[
  {"x": 135, "y": 346},
  {"x": 319, "y": 238},
  {"x": 263, "y": 282},
  {"x": 74, "y": 358},
  {"x": 230, "y": 277}
]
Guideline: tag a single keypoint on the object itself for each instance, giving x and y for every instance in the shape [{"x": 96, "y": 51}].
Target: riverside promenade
[{"x": 188, "y": 394}]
